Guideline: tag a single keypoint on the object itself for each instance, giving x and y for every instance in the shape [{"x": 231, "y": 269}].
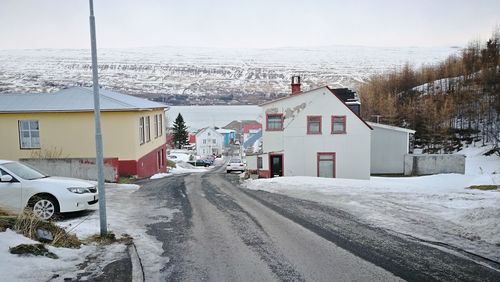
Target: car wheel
[{"x": 45, "y": 207}]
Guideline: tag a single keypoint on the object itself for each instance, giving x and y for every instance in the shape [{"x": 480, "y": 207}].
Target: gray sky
[{"x": 246, "y": 23}]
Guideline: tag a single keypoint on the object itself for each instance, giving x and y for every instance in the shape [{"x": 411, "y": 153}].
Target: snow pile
[
  {"x": 40, "y": 268},
  {"x": 123, "y": 217},
  {"x": 179, "y": 157},
  {"x": 436, "y": 208}
]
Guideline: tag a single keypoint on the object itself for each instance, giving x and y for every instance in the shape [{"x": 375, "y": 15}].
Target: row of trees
[{"x": 447, "y": 103}]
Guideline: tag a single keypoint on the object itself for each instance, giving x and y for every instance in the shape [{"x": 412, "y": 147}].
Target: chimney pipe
[{"x": 295, "y": 85}]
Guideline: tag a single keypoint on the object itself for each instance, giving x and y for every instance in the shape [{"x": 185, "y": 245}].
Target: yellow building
[{"x": 61, "y": 125}]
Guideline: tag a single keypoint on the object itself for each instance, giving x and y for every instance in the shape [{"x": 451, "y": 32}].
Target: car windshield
[
  {"x": 24, "y": 171},
  {"x": 235, "y": 161}
]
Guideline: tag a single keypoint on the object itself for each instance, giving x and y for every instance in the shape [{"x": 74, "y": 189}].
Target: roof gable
[
  {"x": 74, "y": 99},
  {"x": 312, "y": 91}
]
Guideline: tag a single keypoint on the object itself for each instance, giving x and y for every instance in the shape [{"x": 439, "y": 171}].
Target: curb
[{"x": 137, "y": 268}]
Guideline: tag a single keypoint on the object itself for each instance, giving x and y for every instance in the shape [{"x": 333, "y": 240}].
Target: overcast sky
[{"x": 246, "y": 23}]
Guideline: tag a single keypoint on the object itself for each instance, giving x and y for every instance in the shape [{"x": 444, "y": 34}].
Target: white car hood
[{"x": 63, "y": 181}]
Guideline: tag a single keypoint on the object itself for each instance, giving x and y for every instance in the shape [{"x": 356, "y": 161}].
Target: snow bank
[
  {"x": 436, "y": 207},
  {"x": 39, "y": 268}
]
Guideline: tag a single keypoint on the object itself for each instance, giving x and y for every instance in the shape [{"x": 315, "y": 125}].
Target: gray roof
[{"x": 74, "y": 99}]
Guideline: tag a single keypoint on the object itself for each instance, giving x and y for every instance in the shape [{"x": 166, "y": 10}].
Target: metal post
[{"x": 98, "y": 135}]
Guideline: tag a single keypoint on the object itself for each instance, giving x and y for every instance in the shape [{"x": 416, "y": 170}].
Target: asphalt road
[{"x": 222, "y": 232}]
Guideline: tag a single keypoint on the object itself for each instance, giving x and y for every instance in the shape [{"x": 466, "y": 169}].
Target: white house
[
  {"x": 313, "y": 133},
  {"x": 208, "y": 142},
  {"x": 389, "y": 145}
]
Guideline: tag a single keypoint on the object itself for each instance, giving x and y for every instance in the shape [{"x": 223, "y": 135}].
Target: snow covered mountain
[{"x": 204, "y": 75}]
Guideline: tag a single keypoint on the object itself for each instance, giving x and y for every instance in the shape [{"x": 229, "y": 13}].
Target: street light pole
[{"x": 98, "y": 135}]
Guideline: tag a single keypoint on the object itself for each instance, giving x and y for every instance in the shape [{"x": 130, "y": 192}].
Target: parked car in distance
[
  {"x": 199, "y": 163},
  {"x": 172, "y": 157},
  {"x": 22, "y": 186},
  {"x": 235, "y": 165}
]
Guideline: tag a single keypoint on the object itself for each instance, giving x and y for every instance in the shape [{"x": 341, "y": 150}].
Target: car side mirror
[{"x": 5, "y": 178}]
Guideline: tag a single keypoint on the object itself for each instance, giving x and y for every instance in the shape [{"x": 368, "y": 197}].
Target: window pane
[
  {"x": 326, "y": 157},
  {"x": 25, "y": 142},
  {"x": 35, "y": 142},
  {"x": 326, "y": 169},
  {"x": 314, "y": 127},
  {"x": 25, "y": 125},
  {"x": 25, "y": 134},
  {"x": 274, "y": 122},
  {"x": 34, "y": 125}
]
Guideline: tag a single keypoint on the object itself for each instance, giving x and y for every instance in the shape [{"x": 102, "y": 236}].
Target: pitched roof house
[
  {"x": 209, "y": 142},
  {"x": 313, "y": 133},
  {"x": 132, "y": 128}
]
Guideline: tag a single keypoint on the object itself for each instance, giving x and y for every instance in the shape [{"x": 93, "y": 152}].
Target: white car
[
  {"x": 24, "y": 187},
  {"x": 235, "y": 165}
]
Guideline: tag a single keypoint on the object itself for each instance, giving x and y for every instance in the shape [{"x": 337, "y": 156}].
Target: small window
[
  {"x": 156, "y": 126},
  {"x": 314, "y": 125},
  {"x": 259, "y": 162},
  {"x": 148, "y": 129},
  {"x": 274, "y": 122},
  {"x": 29, "y": 134},
  {"x": 339, "y": 124},
  {"x": 141, "y": 130},
  {"x": 204, "y": 142},
  {"x": 160, "y": 125}
]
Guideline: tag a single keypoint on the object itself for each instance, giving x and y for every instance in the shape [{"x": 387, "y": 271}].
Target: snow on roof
[
  {"x": 74, "y": 99},
  {"x": 391, "y": 127},
  {"x": 224, "y": 131}
]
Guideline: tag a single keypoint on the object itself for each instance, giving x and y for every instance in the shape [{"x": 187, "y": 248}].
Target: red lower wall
[
  {"x": 146, "y": 166},
  {"x": 264, "y": 174}
]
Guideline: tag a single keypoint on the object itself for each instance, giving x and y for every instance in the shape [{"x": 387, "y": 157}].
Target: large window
[
  {"x": 339, "y": 124},
  {"x": 274, "y": 122},
  {"x": 148, "y": 129},
  {"x": 314, "y": 125},
  {"x": 141, "y": 130},
  {"x": 326, "y": 165},
  {"x": 29, "y": 134}
]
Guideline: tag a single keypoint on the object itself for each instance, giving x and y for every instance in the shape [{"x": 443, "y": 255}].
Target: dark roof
[{"x": 345, "y": 94}]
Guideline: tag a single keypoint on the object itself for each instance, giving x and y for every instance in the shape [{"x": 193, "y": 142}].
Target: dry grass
[
  {"x": 485, "y": 187},
  {"x": 32, "y": 249},
  {"x": 27, "y": 224},
  {"x": 109, "y": 239}
]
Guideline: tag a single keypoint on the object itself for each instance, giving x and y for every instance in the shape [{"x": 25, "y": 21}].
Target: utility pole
[{"x": 98, "y": 135}]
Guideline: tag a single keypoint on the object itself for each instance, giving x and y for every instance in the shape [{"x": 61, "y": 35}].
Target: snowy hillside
[{"x": 229, "y": 73}]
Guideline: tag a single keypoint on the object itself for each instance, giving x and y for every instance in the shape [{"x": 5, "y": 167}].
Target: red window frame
[
  {"x": 344, "y": 121},
  {"x": 334, "y": 157},
  {"x": 267, "y": 122},
  {"x": 309, "y": 119}
]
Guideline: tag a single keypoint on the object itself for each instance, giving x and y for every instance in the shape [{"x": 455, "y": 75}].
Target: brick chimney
[{"x": 295, "y": 85}]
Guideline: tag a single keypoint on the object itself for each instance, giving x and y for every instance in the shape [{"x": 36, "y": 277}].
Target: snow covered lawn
[
  {"x": 436, "y": 208},
  {"x": 121, "y": 217}
]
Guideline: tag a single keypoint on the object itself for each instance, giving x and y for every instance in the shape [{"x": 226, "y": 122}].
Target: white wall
[
  {"x": 300, "y": 149},
  {"x": 388, "y": 150},
  {"x": 204, "y": 142}
]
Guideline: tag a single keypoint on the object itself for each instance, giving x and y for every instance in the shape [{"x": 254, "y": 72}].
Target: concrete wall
[
  {"x": 388, "y": 150},
  {"x": 77, "y": 168},
  {"x": 300, "y": 150},
  {"x": 434, "y": 164}
]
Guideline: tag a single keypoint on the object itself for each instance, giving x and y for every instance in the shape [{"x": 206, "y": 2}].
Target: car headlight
[{"x": 79, "y": 190}]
